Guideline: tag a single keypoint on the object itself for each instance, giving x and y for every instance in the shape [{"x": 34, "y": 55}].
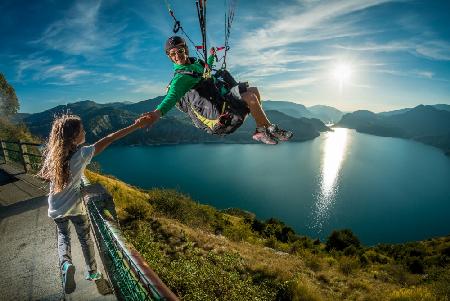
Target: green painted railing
[
  {"x": 132, "y": 278},
  {"x": 26, "y": 153}
]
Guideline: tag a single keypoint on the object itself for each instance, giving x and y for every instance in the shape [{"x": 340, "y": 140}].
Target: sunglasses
[{"x": 178, "y": 51}]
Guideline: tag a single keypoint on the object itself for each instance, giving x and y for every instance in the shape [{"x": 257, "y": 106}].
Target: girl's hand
[
  {"x": 147, "y": 119},
  {"x": 141, "y": 122}
]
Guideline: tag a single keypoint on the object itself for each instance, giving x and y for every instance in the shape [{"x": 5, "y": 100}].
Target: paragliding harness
[{"x": 208, "y": 109}]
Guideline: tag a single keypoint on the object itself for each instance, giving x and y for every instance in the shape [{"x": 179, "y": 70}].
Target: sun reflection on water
[{"x": 334, "y": 153}]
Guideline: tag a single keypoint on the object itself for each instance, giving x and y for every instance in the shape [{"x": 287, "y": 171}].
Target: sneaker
[
  {"x": 68, "y": 271},
  {"x": 93, "y": 275},
  {"x": 278, "y": 133},
  {"x": 262, "y": 135}
]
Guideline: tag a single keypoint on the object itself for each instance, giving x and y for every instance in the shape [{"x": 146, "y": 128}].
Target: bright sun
[{"x": 342, "y": 73}]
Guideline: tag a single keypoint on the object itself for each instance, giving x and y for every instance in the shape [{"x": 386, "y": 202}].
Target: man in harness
[{"x": 219, "y": 104}]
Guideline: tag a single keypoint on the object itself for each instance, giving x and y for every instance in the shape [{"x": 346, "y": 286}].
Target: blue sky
[{"x": 392, "y": 54}]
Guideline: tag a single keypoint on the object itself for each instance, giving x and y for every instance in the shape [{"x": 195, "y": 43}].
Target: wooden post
[
  {"x": 5, "y": 151},
  {"x": 25, "y": 158}
]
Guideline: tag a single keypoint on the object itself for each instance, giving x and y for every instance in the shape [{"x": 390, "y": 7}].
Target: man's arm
[{"x": 179, "y": 86}]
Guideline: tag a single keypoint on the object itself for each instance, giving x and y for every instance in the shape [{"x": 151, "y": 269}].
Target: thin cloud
[
  {"x": 150, "y": 88},
  {"x": 59, "y": 74},
  {"x": 294, "y": 24},
  {"x": 80, "y": 32},
  {"x": 294, "y": 83},
  {"x": 30, "y": 64},
  {"x": 437, "y": 50},
  {"x": 72, "y": 75},
  {"x": 424, "y": 74},
  {"x": 377, "y": 47}
]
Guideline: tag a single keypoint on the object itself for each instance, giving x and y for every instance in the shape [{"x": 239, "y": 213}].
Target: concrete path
[{"x": 28, "y": 246}]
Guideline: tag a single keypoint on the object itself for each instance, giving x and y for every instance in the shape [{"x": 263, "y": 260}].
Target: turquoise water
[{"x": 384, "y": 189}]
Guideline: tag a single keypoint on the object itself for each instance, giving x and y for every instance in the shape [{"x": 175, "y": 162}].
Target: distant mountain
[
  {"x": 442, "y": 107},
  {"x": 289, "y": 108},
  {"x": 326, "y": 113},
  {"x": 102, "y": 119},
  {"x": 426, "y": 124},
  {"x": 19, "y": 117},
  {"x": 394, "y": 112}
]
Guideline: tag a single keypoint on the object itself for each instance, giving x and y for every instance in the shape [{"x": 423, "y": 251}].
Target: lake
[{"x": 387, "y": 190}]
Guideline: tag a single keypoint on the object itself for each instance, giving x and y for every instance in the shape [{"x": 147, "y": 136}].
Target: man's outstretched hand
[{"x": 146, "y": 120}]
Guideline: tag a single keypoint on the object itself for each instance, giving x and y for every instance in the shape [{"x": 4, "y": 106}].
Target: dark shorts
[{"x": 237, "y": 90}]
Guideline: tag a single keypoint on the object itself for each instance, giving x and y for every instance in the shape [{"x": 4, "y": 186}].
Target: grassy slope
[{"x": 204, "y": 254}]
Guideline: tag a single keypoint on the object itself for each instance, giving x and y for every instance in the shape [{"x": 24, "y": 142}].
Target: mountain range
[
  {"x": 326, "y": 114},
  {"x": 424, "y": 123},
  {"x": 102, "y": 119}
]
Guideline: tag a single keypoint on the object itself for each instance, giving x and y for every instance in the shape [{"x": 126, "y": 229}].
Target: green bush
[
  {"x": 274, "y": 228},
  {"x": 347, "y": 265},
  {"x": 173, "y": 204},
  {"x": 350, "y": 251},
  {"x": 415, "y": 265},
  {"x": 341, "y": 239},
  {"x": 376, "y": 257},
  {"x": 239, "y": 213}
]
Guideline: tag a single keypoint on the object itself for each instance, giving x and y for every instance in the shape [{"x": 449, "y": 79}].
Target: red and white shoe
[{"x": 263, "y": 135}]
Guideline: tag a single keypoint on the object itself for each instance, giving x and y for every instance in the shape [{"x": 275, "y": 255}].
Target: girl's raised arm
[{"x": 103, "y": 143}]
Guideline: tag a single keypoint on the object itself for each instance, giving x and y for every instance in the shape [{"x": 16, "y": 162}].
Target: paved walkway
[{"x": 28, "y": 251}]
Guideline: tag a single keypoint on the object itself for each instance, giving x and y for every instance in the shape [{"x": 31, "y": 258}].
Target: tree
[{"x": 9, "y": 104}]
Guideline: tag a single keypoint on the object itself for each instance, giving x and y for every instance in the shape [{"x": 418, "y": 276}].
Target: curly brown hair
[{"x": 57, "y": 151}]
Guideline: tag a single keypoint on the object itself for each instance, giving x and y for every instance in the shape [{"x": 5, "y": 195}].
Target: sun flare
[{"x": 342, "y": 73}]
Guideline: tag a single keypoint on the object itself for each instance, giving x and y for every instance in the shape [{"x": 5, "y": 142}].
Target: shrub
[
  {"x": 137, "y": 210},
  {"x": 173, "y": 204},
  {"x": 313, "y": 263},
  {"x": 412, "y": 294},
  {"x": 350, "y": 251},
  {"x": 401, "y": 276},
  {"x": 239, "y": 213},
  {"x": 376, "y": 257},
  {"x": 341, "y": 239},
  {"x": 416, "y": 266},
  {"x": 238, "y": 231},
  {"x": 347, "y": 265},
  {"x": 446, "y": 251},
  {"x": 441, "y": 287},
  {"x": 364, "y": 260},
  {"x": 303, "y": 291},
  {"x": 274, "y": 228}
]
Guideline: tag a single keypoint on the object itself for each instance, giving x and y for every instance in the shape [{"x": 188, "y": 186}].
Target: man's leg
[
  {"x": 255, "y": 91},
  {"x": 251, "y": 99}
]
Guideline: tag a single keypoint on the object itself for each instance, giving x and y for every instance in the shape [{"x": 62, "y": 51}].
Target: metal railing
[
  {"x": 131, "y": 276},
  {"x": 21, "y": 154}
]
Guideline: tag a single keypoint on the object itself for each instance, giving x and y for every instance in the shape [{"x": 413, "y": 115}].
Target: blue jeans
[{"x": 82, "y": 227}]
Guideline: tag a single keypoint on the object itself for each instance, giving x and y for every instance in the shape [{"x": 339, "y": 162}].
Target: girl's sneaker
[
  {"x": 278, "y": 133},
  {"x": 93, "y": 275},
  {"x": 68, "y": 271},
  {"x": 262, "y": 135}
]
